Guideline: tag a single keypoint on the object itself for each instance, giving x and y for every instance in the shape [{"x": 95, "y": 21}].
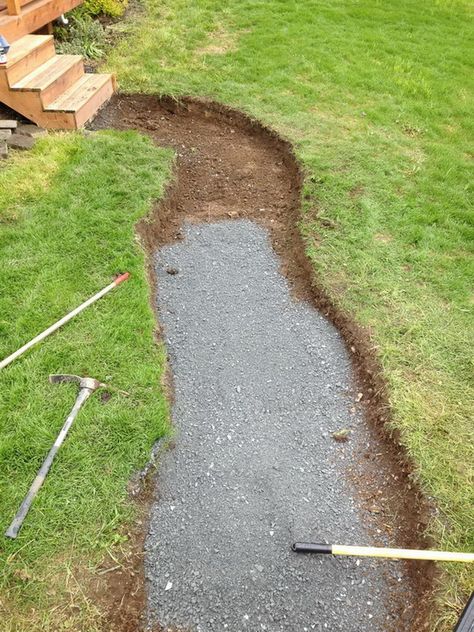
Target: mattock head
[{"x": 84, "y": 382}]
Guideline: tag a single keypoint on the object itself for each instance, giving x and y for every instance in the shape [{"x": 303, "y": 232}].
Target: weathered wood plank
[{"x": 34, "y": 16}]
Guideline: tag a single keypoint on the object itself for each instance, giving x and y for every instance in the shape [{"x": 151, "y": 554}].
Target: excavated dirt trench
[{"x": 230, "y": 166}]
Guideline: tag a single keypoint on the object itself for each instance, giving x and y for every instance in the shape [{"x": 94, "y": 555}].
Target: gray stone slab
[
  {"x": 3, "y": 149},
  {"x": 31, "y": 130},
  {"x": 17, "y": 141}
]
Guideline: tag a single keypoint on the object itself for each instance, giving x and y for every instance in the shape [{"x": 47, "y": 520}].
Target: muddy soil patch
[{"x": 230, "y": 166}]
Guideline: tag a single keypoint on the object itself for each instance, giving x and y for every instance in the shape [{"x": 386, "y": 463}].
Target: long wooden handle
[
  {"x": 62, "y": 321},
  {"x": 402, "y": 554},
  {"x": 382, "y": 552}
]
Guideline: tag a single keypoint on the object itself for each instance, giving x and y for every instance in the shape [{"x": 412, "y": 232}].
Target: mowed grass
[
  {"x": 67, "y": 215},
  {"x": 377, "y": 98}
]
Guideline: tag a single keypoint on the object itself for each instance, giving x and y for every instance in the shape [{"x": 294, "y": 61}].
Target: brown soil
[
  {"x": 230, "y": 166},
  {"x": 117, "y": 586}
]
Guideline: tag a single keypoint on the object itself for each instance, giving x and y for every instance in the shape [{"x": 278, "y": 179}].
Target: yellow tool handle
[
  {"x": 402, "y": 554},
  {"x": 382, "y": 552}
]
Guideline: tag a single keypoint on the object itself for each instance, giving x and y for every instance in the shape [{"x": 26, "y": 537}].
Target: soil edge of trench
[{"x": 121, "y": 594}]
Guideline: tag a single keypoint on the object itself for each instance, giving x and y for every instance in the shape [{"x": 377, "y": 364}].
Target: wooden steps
[
  {"x": 84, "y": 98},
  {"x": 52, "y": 78},
  {"x": 30, "y": 46},
  {"x": 51, "y": 90}
]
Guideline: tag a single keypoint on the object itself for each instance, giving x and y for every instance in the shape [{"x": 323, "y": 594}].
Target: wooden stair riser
[
  {"x": 29, "y": 63},
  {"x": 59, "y": 85},
  {"x": 63, "y": 83},
  {"x": 90, "y": 109},
  {"x": 29, "y": 105}
]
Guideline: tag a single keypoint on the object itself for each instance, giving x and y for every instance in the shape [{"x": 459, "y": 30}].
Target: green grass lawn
[
  {"x": 377, "y": 98},
  {"x": 67, "y": 215}
]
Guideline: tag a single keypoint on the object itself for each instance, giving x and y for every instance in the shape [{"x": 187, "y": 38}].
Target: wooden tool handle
[
  {"x": 382, "y": 552},
  {"x": 65, "y": 319}
]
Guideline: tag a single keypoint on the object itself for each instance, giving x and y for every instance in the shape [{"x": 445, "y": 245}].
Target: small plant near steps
[
  {"x": 51, "y": 90},
  {"x": 83, "y": 35}
]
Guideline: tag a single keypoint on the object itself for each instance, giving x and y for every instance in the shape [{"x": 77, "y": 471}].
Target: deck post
[{"x": 13, "y": 7}]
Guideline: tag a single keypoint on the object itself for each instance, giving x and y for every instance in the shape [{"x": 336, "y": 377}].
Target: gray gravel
[{"x": 261, "y": 382}]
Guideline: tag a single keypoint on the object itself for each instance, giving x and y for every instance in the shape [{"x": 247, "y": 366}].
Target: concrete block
[{"x": 31, "y": 130}]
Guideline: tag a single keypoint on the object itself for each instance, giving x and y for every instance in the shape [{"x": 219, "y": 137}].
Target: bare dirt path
[{"x": 229, "y": 168}]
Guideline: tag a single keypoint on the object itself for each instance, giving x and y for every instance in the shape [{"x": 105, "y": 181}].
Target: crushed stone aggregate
[{"x": 261, "y": 381}]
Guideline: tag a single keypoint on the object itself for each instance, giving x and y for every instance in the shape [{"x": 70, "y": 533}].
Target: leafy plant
[
  {"x": 112, "y": 8},
  {"x": 84, "y": 36}
]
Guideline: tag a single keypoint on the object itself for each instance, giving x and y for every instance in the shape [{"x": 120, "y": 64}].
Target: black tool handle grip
[{"x": 312, "y": 547}]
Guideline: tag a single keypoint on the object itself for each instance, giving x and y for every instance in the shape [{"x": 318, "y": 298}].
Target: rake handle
[{"x": 62, "y": 321}]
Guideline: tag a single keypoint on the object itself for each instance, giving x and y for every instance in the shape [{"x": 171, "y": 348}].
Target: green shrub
[
  {"x": 84, "y": 36},
  {"x": 112, "y": 8}
]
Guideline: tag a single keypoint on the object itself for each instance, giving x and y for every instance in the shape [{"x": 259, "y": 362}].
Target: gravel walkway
[{"x": 261, "y": 382}]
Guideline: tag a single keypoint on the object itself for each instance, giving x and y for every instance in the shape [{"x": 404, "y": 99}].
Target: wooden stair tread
[
  {"x": 47, "y": 73},
  {"x": 24, "y": 46},
  {"x": 77, "y": 95}
]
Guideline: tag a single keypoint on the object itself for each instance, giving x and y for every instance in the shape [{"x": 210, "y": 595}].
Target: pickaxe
[{"x": 87, "y": 385}]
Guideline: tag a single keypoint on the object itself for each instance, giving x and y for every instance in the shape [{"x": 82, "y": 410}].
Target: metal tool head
[{"x": 84, "y": 382}]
